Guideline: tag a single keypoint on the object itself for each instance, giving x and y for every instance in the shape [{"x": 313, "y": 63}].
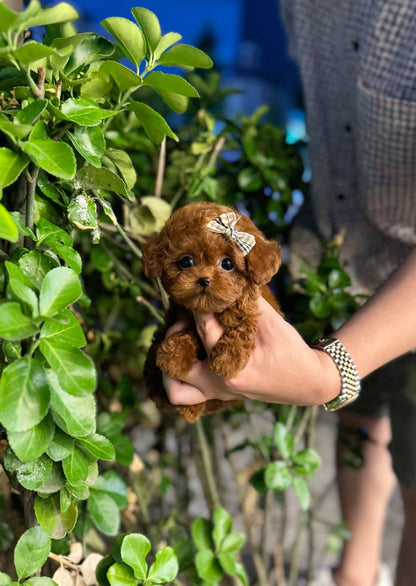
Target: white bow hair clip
[{"x": 225, "y": 224}]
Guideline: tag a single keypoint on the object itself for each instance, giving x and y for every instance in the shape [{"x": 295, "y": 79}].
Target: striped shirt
[{"x": 357, "y": 61}]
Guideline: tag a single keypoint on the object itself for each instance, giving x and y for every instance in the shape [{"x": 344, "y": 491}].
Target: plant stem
[
  {"x": 207, "y": 464},
  {"x": 161, "y": 169},
  {"x": 129, "y": 242},
  {"x": 30, "y": 199}
]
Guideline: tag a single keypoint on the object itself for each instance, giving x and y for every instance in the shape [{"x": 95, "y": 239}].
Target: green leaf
[
  {"x": 175, "y": 102},
  {"x": 232, "y": 542},
  {"x": 250, "y": 179},
  {"x": 124, "y": 165},
  {"x": 49, "y": 234},
  {"x": 12, "y": 350},
  {"x": 89, "y": 177},
  {"x": 207, "y": 566},
  {"x": 52, "y": 520},
  {"x": 7, "y": 18},
  {"x": 153, "y": 123},
  {"x": 320, "y": 306},
  {"x": 60, "y": 288},
  {"x": 66, "y": 331},
  {"x": 53, "y": 483},
  {"x": 201, "y": 534},
  {"x": 302, "y": 490},
  {"x": 134, "y": 550},
  {"x": 75, "y": 466},
  {"x": 35, "y": 266},
  {"x": 165, "y": 42},
  {"x": 4, "y": 578},
  {"x": 14, "y": 325},
  {"x": 185, "y": 56},
  {"x": 166, "y": 82},
  {"x": 11, "y": 166},
  {"x": 24, "y": 394},
  {"x": 104, "y": 513},
  {"x": 165, "y": 567},
  {"x": 284, "y": 440},
  {"x": 89, "y": 141},
  {"x": 40, "y": 581},
  {"x": 125, "y": 78},
  {"x": 40, "y": 131},
  {"x": 129, "y": 37},
  {"x": 150, "y": 26},
  {"x": 74, "y": 415},
  {"x": 222, "y": 526},
  {"x": 32, "y": 51},
  {"x": 31, "y": 552},
  {"x": 121, "y": 575},
  {"x": 113, "y": 485},
  {"x": 31, "y": 113},
  {"x": 74, "y": 369},
  {"x": 61, "y": 446},
  {"x": 277, "y": 476},
  {"x": 22, "y": 228},
  {"x": 99, "y": 446},
  {"x": 14, "y": 131},
  {"x": 31, "y": 475},
  {"x": 228, "y": 563},
  {"x": 21, "y": 287},
  {"x": 83, "y": 112},
  {"x": 60, "y": 13},
  {"x": 57, "y": 158},
  {"x": 82, "y": 212},
  {"x": 8, "y": 228},
  {"x": 306, "y": 462},
  {"x": 32, "y": 443}
]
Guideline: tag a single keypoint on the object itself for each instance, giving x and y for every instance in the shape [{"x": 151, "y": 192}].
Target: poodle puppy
[{"x": 210, "y": 259}]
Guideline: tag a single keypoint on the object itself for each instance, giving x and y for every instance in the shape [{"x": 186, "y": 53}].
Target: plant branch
[
  {"x": 63, "y": 561},
  {"x": 207, "y": 464},
  {"x": 30, "y": 198},
  {"x": 161, "y": 169}
]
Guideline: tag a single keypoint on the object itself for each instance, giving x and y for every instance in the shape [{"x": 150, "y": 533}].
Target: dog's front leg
[
  {"x": 233, "y": 349},
  {"x": 177, "y": 354}
]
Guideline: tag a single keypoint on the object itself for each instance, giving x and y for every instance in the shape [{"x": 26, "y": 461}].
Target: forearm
[{"x": 385, "y": 327}]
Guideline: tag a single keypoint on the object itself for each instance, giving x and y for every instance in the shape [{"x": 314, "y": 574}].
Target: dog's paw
[
  {"x": 227, "y": 361},
  {"x": 177, "y": 354},
  {"x": 191, "y": 413}
]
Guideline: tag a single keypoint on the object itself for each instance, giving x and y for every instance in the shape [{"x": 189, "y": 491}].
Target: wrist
[
  {"x": 348, "y": 384},
  {"x": 329, "y": 379}
]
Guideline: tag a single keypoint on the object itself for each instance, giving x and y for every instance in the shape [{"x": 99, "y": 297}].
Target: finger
[
  {"x": 209, "y": 330},
  {"x": 179, "y": 326},
  {"x": 181, "y": 393}
]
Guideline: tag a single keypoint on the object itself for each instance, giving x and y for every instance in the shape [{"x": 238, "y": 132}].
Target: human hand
[{"x": 282, "y": 367}]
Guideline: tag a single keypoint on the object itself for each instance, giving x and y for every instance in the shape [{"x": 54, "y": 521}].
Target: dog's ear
[
  {"x": 264, "y": 259},
  {"x": 153, "y": 257}
]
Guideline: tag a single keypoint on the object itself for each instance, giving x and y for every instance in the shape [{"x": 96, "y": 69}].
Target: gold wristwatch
[{"x": 350, "y": 387}]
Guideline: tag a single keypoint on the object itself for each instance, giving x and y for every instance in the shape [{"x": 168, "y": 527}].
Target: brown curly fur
[{"x": 231, "y": 295}]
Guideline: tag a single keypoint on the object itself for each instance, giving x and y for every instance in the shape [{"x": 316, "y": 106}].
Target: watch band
[{"x": 350, "y": 379}]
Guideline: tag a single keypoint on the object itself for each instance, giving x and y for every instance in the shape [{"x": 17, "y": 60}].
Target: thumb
[{"x": 209, "y": 330}]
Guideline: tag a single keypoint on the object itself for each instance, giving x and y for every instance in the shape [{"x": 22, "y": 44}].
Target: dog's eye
[
  {"x": 186, "y": 262},
  {"x": 227, "y": 264}
]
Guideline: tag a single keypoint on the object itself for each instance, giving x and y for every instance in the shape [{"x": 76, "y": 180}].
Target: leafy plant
[
  {"x": 127, "y": 563},
  {"x": 292, "y": 469},
  {"x": 58, "y": 175},
  {"x": 217, "y": 547}
]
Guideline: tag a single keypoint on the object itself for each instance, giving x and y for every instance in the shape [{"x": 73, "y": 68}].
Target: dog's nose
[{"x": 204, "y": 281}]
